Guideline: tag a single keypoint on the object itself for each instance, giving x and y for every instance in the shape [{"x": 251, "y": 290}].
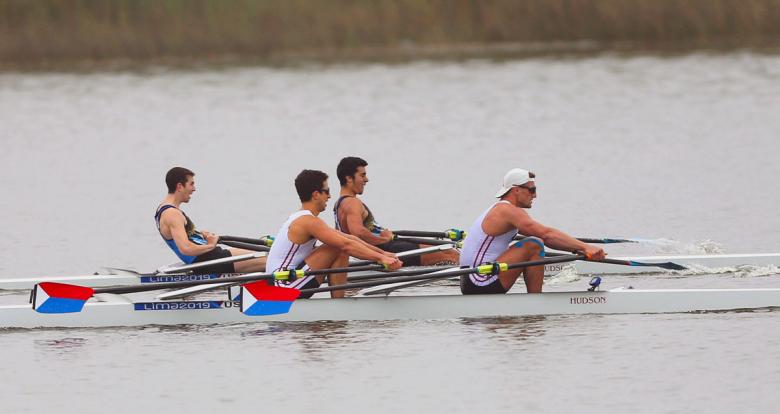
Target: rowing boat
[
  {"x": 120, "y": 311},
  {"x": 115, "y": 277}
]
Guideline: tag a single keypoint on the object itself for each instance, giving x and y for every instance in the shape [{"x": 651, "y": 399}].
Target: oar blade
[
  {"x": 50, "y": 297},
  {"x": 663, "y": 265},
  {"x": 672, "y": 266},
  {"x": 260, "y": 299}
]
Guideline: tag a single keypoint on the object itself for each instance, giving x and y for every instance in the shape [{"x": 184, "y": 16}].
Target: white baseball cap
[{"x": 515, "y": 176}]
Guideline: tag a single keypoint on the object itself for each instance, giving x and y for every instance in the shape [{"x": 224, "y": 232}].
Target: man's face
[
  {"x": 358, "y": 180},
  {"x": 321, "y": 197},
  {"x": 525, "y": 194},
  {"x": 187, "y": 189}
]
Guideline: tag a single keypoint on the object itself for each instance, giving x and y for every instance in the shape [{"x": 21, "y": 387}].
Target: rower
[
  {"x": 189, "y": 244},
  {"x": 495, "y": 229},
  {"x": 353, "y": 217},
  {"x": 294, "y": 248}
]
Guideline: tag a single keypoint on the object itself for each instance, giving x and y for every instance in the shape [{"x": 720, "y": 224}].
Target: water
[{"x": 680, "y": 148}]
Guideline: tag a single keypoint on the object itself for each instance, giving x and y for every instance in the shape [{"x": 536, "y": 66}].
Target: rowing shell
[
  {"x": 127, "y": 277},
  {"x": 616, "y": 301}
]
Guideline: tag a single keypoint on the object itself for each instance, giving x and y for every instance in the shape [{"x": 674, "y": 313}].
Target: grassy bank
[{"x": 41, "y": 32}]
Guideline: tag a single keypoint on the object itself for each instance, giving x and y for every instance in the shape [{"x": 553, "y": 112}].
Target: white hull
[
  {"x": 705, "y": 261},
  {"x": 616, "y": 301}
]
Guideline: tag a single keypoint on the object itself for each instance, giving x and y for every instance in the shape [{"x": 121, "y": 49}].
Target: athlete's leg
[
  {"x": 530, "y": 248},
  {"x": 325, "y": 257},
  {"x": 247, "y": 266},
  {"x": 450, "y": 256}
]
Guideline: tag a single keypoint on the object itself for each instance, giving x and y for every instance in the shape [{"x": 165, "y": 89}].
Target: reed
[{"x": 36, "y": 31}]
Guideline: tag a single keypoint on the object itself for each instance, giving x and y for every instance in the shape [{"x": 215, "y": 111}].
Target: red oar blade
[
  {"x": 258, "y": 299},
  {"x": 50, "y": 297}
]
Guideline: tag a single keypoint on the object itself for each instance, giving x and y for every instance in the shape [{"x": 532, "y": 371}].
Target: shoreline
[{"x": 403, "y": 54}]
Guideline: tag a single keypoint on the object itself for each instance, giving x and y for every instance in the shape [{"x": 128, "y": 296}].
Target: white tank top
[
  {"x": 479, "y": 248},
  {"x": 285, "y": 254}
]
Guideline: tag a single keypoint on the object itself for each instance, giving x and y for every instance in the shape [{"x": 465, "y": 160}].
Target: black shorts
[
  {"x": 217, "y": 253},
  {"x": 398, "y": 246},
  {"x": 467, "y": 287},
  {"x": 312, "y": 283}
]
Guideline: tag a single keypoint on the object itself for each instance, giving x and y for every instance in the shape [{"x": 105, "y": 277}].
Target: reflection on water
[
  {"x": 316, "y": 341},
  {"x": 510, "y": 329},
  {"x": 62, "y": 345}
]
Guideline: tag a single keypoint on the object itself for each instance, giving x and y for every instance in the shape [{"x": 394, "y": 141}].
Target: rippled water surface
[{"x": 682, "y": 149}]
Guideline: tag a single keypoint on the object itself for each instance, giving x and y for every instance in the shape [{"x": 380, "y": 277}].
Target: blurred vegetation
[{"x": 35, "y": 32}]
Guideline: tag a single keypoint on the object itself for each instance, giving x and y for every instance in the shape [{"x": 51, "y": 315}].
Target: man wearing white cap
[{"x": 490, "y": 236}]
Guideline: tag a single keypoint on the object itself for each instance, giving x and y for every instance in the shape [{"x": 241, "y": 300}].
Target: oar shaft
[
  {"x": 663, "y": 265},
  {"x": 399, "y": 273},
  {"x": 605, "y": 241},
  {"x": 590, "y": 240},
  {"x": 249, "y": 277},
  {"x": 418, "y": 233},
  {"x": 451, "y": 234},
  {"x": 431, "y": 242},
  {"x": 245, "y": 246},
  {"x": 408, "y": 253},
  {"x": 262, "y": 242}
]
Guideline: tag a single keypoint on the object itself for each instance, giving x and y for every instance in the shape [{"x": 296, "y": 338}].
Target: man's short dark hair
[
  {"x": 348, "y": 167},
  {"x": 177, "y": 175},
  {"x": 309, "y": 181}
]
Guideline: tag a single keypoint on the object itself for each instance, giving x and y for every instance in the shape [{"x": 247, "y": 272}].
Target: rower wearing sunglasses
[
  {"x": 491, "y": 239},
  {"x": 294, "y": 247}
]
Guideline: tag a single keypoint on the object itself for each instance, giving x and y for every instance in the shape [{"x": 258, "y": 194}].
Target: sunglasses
[
  {"x": 532, "y": 190},
  {"x": 325, "y": 190}
]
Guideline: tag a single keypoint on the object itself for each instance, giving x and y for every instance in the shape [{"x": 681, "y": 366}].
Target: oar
[
  {"x": 663, "y": 265},
  {"x": 260, "y": 299},
  {"x": 458, "y": 235},
  {"x": 245, "y": 246},
  {"x": 200, "y": 265},
  {"x": 408, "y": 253},
  {"x": 451, "y": 234},
  {"x": 432, "y": 242},
  {"x": 595, "y": 241},
  {"x": 360, "y": 265},
  {"x": 264, "y": 241},
  {"x": 50, "y": 297}
]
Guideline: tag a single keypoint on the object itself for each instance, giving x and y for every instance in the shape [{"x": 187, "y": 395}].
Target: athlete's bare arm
[
  {"x": 173, "y": 221},
  {"x": 553, "y": 238},
  {"x": 354, "y": 215},
  {"x": 306, "y": 227}
]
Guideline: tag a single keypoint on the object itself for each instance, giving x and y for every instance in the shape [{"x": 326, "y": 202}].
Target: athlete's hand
[
  {"x": 386, "y": 235},
  {"x": 211, "y": 238},
  {"x": 391, "y": 262},
  {"x": 594, "y": 253}
]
